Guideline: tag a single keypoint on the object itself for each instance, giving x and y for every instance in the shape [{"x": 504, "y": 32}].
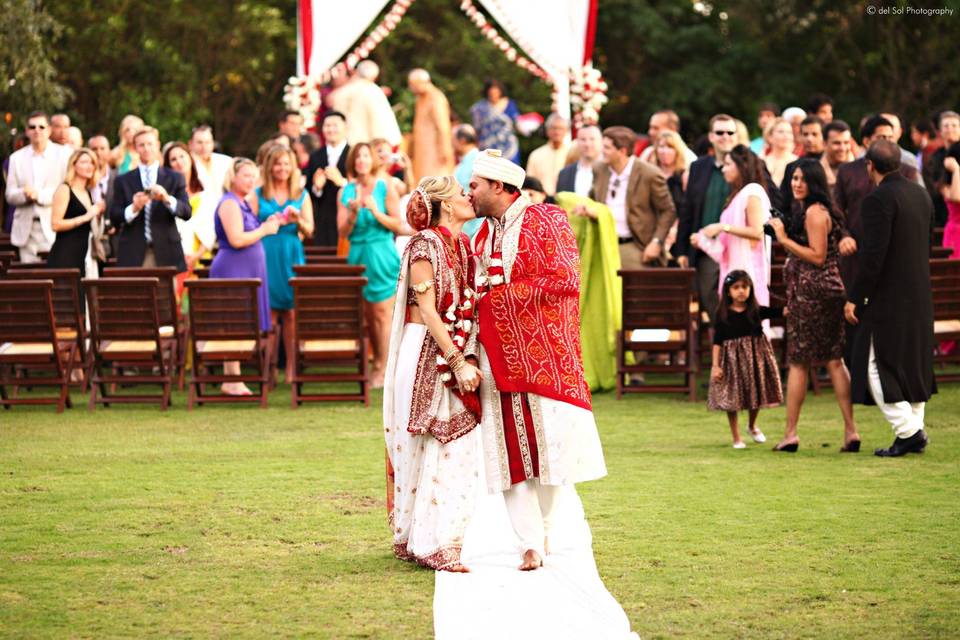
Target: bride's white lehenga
[{"x": 432, "y": 440}]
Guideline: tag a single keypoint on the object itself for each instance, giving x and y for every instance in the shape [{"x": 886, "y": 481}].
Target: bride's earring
[{"x": 449, "y": 213}]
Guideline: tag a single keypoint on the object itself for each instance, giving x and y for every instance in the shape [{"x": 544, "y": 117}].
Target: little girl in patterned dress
[{"x": 744, "y": 374}]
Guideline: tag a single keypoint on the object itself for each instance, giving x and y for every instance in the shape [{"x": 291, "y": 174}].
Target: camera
[{"x": 779, "y": 215}]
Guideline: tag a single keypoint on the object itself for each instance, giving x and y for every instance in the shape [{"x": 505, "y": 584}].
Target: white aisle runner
[{"x": 563, "y": 599}]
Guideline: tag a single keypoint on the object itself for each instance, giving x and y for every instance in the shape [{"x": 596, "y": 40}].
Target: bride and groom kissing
[{"x": 484, "y": 380}]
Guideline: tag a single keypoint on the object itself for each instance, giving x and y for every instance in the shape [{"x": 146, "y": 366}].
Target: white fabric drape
[
  {"x": 552, "y": 33},
  {"x": 335, "y": 28}
]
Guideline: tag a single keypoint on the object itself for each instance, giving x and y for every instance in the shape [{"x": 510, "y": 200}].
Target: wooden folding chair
[
  {"x": 125, "y": 335},
  {"x": 319, "y": 251},
  {"x": 328, "y": 270},
  {"x": 172, "y": 326},
  {"x": 659, "y": 317},
  {"x": 28, "y": 343},
  {"x": 6, "y": 259},
  {"x": 941, "y": 253},
  {"x": 329, "y": 335},
  {"x": 225, "y": 327},
  {"x": 778, "y": 298},
  {"x": 319, "y": 258},
  {"x": 945, "y": 286},
  {"x": 68, "y": 313}
]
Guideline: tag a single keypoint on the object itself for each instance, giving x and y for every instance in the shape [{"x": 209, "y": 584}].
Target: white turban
[{"x": 490, "y": 165}]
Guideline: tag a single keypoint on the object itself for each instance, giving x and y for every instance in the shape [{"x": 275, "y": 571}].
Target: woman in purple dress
[{"x": 241, "y": 253}]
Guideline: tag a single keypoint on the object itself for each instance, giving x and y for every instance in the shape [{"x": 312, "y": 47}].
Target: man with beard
[{"x": 538, "y": 428}]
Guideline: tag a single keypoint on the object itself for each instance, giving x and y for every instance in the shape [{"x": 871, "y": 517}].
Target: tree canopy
[{"x": 179, "y": 63}]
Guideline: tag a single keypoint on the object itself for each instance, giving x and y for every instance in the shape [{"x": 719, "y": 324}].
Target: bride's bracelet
[{"x": 455, "y": 359}]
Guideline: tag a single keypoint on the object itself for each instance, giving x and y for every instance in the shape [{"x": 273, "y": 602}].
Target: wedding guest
[
  {"x": 394, "y": 165},
  {"x": 891, "y": 303},
  {"x": 736, "y": 241},
  {"x": 325, "y": 175},
  {"x": 924, "y": 137},
  {"x": 282, "y": 196},
  {"x": 663, "y": 120},
  {"x": 534, "y": 191},
  {"x": 815, "y": 299},
  {"x": 368, "y": 215},
  {"x": 743, "y": 133},
  {"x": 304, "y": 148},
  {"x": 821, "y": 105},
  {"x": 767, "y": 112},
  {"x": 811, "y": 146},
  {"x": 703, "y": 202},
  {"x": 578, "y": 176},
  {"x": 239, "y": 235},
  {"x": 103, "y": 231},
  {"x": 124, "y": 156},
  {"x": 466, "y": 150},
  {"x": 197, "y": 234},
  {"x": 546, "y": 161},
  {"x": 432, "y": 145},
  {"x": 670, "y": 155},
  {"x": 59, "y": 125},
  {"x": 780, "y": 135},
  {"x": 33, "y": 176},
  {"x": 949, "y": 188},
  {"x": 74, "y": 138},
  {"x": 853, "y": 185},
  {"x": 494, "y": 119},
  {"x": 145, "y": 206},
  {"x": 366, "y": 107},
  {"x": 949, "y": 127},
  {"x": 211, "y": 167},
  {"x": 795, "y": 115},
  {"x": 636, "y": 193},
  {"x": 837, "y": 151},
  {"x": 290, "y": 124},
  {"x": 72, "y": 213}
]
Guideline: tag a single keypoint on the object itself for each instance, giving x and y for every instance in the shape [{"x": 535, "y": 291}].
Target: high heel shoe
[
  {"x": 851, "y": 447},
  {"x": 788, "y": 448}
]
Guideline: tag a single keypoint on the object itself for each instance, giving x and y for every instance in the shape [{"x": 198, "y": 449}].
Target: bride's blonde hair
[{"x": 423, "y": 209}]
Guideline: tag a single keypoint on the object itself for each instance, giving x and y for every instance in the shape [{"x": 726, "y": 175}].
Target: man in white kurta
[{"x": 538, "y": 428}]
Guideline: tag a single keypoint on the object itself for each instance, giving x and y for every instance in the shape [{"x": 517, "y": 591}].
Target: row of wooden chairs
[
  {"x": 130, "y": 343},
  {"x": 661, "y": 319}
]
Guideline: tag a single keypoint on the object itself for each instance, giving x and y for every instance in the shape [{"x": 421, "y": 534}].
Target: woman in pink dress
[
  {"x": 737, "y": 240},
  {"x": 950, "y": 190}
]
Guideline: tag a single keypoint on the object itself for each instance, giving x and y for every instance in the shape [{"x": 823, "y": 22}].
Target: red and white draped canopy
[{"x": 555, "y": 37}]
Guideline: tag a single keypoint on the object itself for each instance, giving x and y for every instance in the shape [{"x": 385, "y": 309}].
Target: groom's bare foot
[
  {"x": 456, "y": 568},
  {"x": 531, "y": 560}
]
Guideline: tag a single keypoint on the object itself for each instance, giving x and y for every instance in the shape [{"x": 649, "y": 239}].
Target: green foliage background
[{"x": 179, "y": 63}]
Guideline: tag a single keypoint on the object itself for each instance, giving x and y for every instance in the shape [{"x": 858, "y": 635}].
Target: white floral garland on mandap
[{"x": 587, "y": 88}]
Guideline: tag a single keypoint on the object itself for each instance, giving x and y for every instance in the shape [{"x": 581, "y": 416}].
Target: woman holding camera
[{"x": 815, "y": 299}]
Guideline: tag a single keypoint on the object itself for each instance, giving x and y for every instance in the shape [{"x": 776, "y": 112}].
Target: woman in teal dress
[
  {"x": 368, "y": 214},
  {"x": 282, "y": 194}
]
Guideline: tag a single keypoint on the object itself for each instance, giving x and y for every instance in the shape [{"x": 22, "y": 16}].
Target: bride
[{"x": 431, "y": 407}]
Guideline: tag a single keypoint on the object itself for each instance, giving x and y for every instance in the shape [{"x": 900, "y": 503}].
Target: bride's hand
[{"x": 468, "y": 378}]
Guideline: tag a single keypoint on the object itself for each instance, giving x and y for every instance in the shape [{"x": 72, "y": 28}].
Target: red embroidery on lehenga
[
  {"x": 433, "y": 374},
  {"x": 438, "y": 560},
  {"x": 530, "y": 327}
]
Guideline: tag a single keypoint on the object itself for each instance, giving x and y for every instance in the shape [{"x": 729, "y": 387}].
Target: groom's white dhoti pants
[
  {"x": 531, "y": 506},
  {"x": 906, "y": 418}
]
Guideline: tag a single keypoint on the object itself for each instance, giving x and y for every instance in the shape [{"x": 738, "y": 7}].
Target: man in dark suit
[
  {"x": 891, "y": 302},
  {"x": 326, "y": 174},
  {"x": 145, "y": 204},
  {"x": 854, "y": 184},
  {"x": 578, "y": 176},
  {"x": 702, "y": 204}
]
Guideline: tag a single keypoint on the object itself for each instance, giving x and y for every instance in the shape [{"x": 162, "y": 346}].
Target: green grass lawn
[{"x": 241, "y": 522}]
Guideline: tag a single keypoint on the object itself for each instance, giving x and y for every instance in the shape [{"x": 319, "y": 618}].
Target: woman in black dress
[
  {"x": 815, "y": 299},
  {"x": 72, "y": 211}
]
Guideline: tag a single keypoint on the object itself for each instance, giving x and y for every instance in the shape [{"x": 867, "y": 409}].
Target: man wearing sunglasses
[
  {"x": 35, "y": 173},
  {"x": 702, "y": 205}
]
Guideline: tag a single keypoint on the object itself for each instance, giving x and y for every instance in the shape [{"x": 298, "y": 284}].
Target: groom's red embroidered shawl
[{"x": 530, "y": 325}]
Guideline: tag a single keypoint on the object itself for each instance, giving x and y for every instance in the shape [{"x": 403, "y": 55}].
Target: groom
[{"x": 538, "y": 428}]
